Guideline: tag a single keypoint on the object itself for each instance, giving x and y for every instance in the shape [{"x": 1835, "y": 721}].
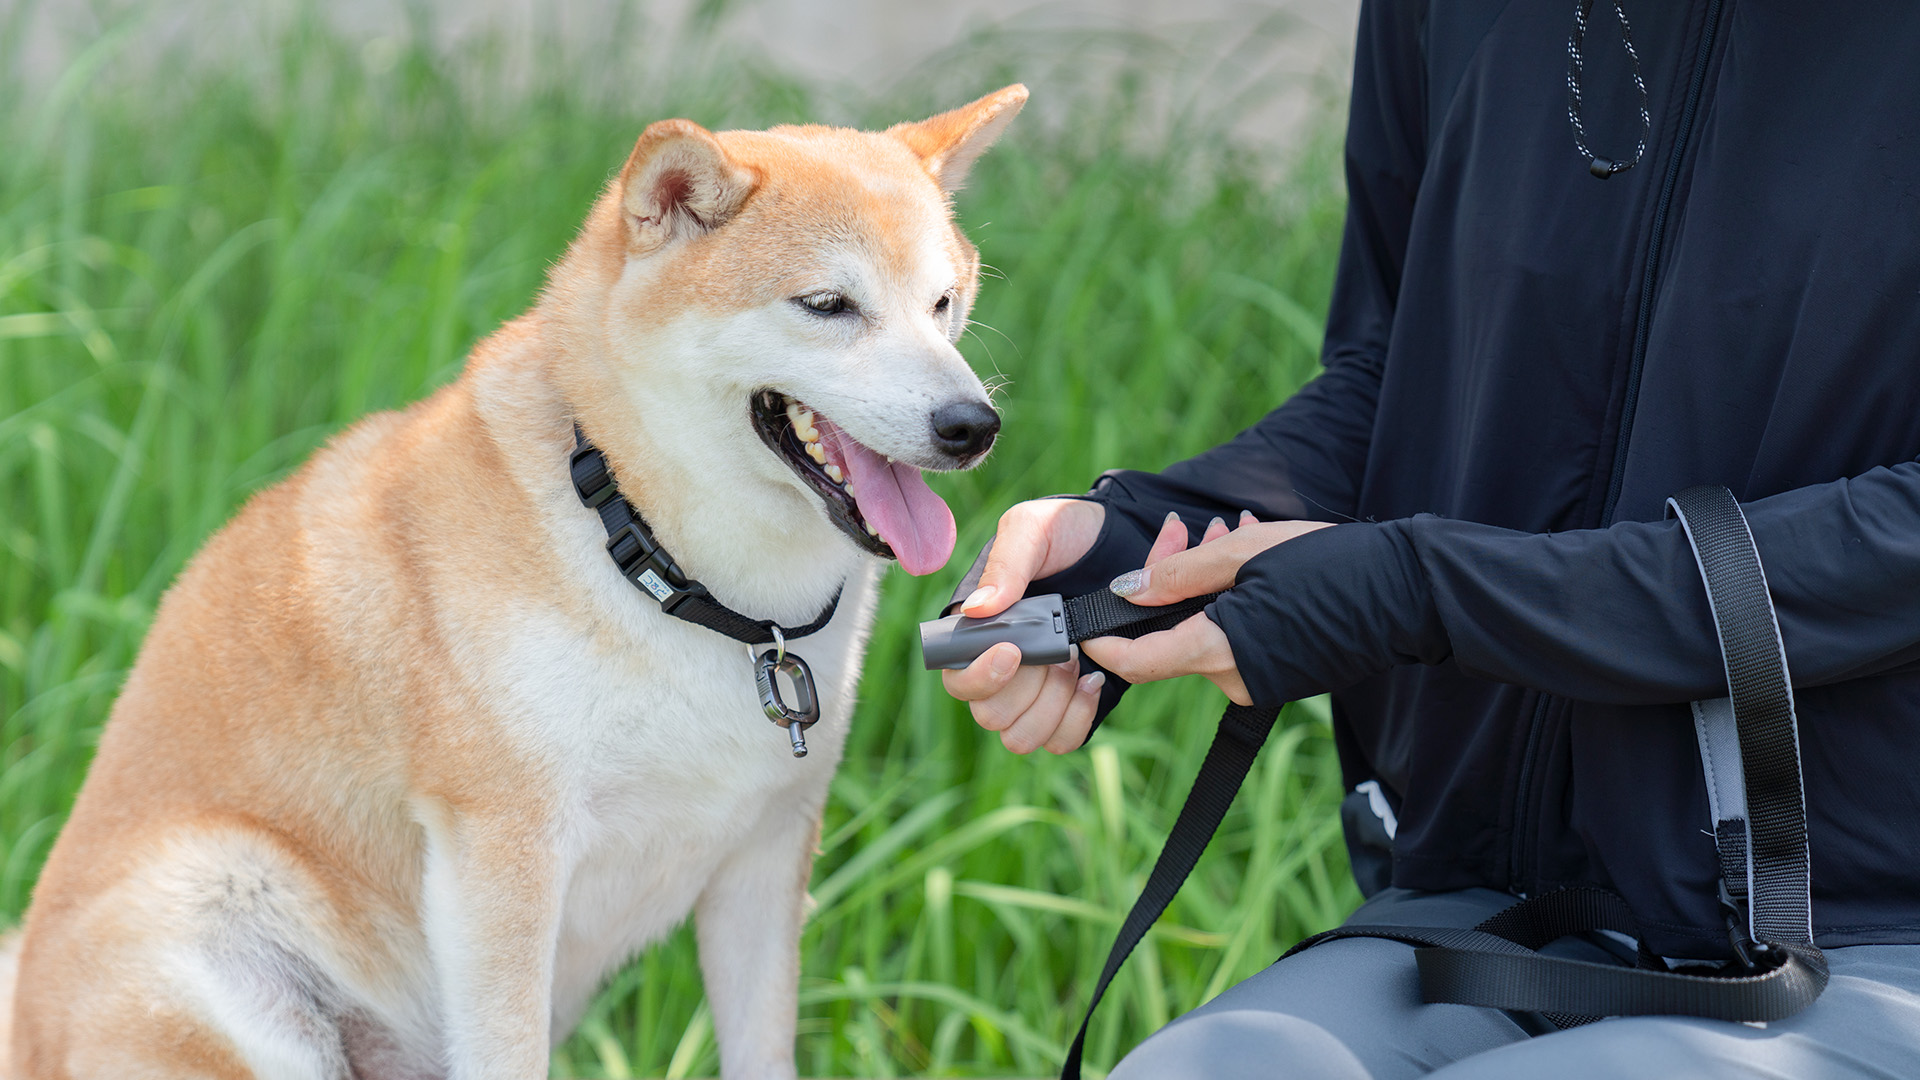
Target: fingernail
[
  {"x": 1247, "y": 518},
  {"x": 1092, "y": 683},
  {"x": 1005, "y": 659},
  {"x": 1222, "y": 522},
  {"x": 1131, "y": 582},
  {"x": 977, "y": 597}
]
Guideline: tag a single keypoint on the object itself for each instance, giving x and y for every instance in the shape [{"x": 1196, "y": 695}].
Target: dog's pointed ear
[
  {"x": 950, "y": 143},
  {"x": 677, "y": 183}
]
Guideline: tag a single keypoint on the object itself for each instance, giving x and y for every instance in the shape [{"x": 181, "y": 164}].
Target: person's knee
[
  {"x": 1634, "y": 1047},
  {"x": 1230, "y": 1044}
]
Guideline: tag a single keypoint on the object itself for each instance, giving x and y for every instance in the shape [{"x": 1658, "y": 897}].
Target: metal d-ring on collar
[
  {"x": 649, "y": 567},
  {"x": 1601, "y": 167}
]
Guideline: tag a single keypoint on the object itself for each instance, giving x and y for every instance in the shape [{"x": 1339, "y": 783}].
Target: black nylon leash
[
  {"x": 1243, "y": 731},
  {"x": 1779, "y": 970},
  {"x": 649, "y": 567},
  {"x": 1102, "y": 614}
]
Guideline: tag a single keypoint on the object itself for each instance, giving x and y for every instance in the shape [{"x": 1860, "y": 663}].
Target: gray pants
[{"x": 1352, "y": 1009}]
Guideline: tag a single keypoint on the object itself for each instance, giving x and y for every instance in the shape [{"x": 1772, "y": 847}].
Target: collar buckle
[{"x": 647, "y": 565}]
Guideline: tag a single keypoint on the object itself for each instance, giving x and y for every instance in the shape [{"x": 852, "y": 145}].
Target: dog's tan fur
[{"x": 405, "y": 767}]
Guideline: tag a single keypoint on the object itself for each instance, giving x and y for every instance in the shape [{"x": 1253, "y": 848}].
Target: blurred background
[{"x": 228, "y": 230}]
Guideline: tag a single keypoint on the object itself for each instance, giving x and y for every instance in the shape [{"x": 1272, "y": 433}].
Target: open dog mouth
[{"x": 884, "y": 505}]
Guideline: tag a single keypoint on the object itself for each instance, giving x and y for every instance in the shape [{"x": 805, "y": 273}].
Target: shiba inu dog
[{"x": 407, "y": 766}]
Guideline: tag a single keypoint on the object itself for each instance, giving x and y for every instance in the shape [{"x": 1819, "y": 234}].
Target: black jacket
[{"x": 1522, "y": 362}]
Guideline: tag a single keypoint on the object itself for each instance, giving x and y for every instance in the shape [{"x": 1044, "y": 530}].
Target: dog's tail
[{"x": 9, "y": 975}]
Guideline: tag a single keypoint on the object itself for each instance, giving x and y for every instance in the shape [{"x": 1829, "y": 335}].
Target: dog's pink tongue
[{"x": 897, "y": 502}]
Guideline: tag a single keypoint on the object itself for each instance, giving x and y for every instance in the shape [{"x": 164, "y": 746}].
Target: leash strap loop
[
  {"x": 1777, "y": 874},
  {"x": 1750, "y": 756}
]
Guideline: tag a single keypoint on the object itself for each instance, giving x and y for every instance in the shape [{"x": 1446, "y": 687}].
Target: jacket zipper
[
  {"x": 1521, "y": 869},
  {"x": 1520, "y": 864},
  {"x": 1650, "y": 277}
]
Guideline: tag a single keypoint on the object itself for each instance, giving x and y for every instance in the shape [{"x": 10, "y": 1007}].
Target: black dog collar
[{"x": 646, "y": 563}]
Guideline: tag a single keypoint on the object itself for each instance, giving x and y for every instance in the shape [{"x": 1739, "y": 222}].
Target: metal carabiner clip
[{"x": 805, "y": 711}]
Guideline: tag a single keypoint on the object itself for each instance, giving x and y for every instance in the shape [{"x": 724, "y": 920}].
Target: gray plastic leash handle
[{"x": 1038, "y": 625}]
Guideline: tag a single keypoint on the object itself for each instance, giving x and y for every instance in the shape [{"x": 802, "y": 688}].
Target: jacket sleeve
[
  {"x": 1616, "y": 615},
  {"x": 1305, "y": 458}
]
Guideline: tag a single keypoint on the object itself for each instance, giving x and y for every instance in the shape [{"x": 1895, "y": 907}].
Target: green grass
[{"x": 207, "y": 269}]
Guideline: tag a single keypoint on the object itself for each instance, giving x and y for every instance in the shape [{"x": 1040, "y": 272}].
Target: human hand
[
  {"x": 1197, "y": 646},
  {"x": 1030, "y": 706}
]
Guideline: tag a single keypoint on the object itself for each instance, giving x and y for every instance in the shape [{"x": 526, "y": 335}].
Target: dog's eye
[
  {"x": 824, "y": 303},
  {"x": 944, "y": 304}
]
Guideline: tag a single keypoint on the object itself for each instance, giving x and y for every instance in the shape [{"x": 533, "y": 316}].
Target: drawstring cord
[{"x": 1600, "y": 167}]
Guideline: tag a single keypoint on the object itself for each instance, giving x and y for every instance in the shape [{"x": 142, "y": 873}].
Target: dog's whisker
[{"x": 997, "y": 330}]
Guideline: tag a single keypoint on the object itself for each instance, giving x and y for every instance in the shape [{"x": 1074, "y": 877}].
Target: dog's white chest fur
[{"x": 667, "y": 766}]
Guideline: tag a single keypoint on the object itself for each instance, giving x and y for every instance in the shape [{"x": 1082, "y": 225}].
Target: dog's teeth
[
  {"x": 871, "y": 531},
  {"x": 801, "y": 418},
  {"x": 817, "y": 453},
  {"x": 833, "y": 473}
]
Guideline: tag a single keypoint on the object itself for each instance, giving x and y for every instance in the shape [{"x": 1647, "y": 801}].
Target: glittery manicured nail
[{"x": 1131, "y": 582}]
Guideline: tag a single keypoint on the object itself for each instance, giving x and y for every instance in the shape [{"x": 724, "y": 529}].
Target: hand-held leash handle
[
  {"x": 1037, "y": 624},
  {"x": 1046, "y": 627}
]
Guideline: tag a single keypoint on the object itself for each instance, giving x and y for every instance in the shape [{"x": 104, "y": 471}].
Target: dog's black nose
[{"x": 965, "y": 428}]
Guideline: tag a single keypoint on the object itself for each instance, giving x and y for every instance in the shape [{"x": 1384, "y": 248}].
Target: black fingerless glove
[{"x": 1325, "y": 610}]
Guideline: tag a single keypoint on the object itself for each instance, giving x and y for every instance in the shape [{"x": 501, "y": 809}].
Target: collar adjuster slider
[
  {"x": 592, "y": 478},
  {"x": 647, "y": 565}
]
